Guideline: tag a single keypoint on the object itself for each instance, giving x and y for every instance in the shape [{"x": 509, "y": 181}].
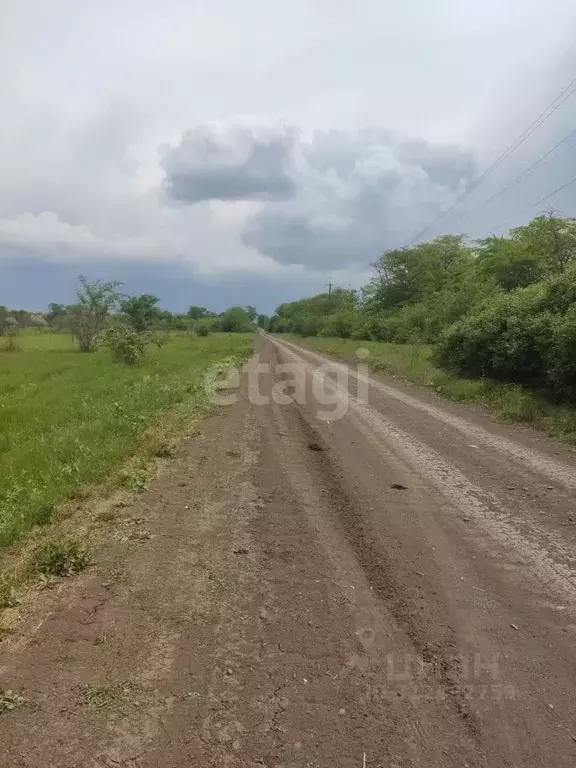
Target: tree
[
  {"x": 38, "y": 321},
  {"x": 55, "y": 313},
  {"x": 510, "y": 263},
  {"x": 262, "y": 321},
  {"x": 406, "y": 275},
  {"x": 141, "y": 311},
  {"x": 55, "y": 310},
  {"x": 95, "y": 302},
  {"x": 305, "y": 317},
  {"x": 197, "y": 313},
  {"x": 165, "y": 318},
  {"x": 235, "y": 320},
  {"x": 251, "y": 312},
  {"x": 12, "y": 325},
  {"x": 550, "y": 239}
]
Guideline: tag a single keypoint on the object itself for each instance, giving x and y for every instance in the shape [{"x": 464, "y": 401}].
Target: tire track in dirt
[
  {"x": 507, "y": 569},
  {"x": 548, "y": 562},
  {"x": 308, "y": 592}
]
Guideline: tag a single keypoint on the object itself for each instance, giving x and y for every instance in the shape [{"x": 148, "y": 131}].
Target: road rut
[{"x": 338, "y": 571}]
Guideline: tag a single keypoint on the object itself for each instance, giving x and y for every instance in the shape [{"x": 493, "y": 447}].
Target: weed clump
[
  {"x": 7, "y": 595},
  {"x": 10, "y": 701},
  {"x": 60, "y": 557},
  {"x": 97, "y": 695}
]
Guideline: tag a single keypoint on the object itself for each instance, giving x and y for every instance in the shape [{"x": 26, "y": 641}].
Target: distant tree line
[
  {"x": 101, "y": 306},
  {"x": 500, "y": 307}
]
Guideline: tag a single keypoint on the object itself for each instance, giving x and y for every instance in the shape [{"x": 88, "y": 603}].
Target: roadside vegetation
[
  {"x": 492, "y": 321},
  {"x": 417, "y": 363},
  {"x": 86, "y": 388}
]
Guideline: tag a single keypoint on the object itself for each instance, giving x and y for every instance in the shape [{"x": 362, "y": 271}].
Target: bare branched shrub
[{"x": 88, "y": 316}]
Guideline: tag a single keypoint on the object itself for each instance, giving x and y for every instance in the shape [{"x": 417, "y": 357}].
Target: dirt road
[{"x": 364, "y": 575}]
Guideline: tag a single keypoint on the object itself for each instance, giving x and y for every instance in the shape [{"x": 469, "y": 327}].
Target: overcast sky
[{"x": 229, "y": 152}]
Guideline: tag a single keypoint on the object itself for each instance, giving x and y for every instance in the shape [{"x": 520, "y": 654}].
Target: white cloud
[
  {"x": 329, "y": 201},
  {"x": 90, "y": 92}
]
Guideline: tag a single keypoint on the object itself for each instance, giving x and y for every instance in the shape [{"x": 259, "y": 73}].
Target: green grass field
[
  {"x": 415, "y": 363},
  {"x": 70, "y": 420}
]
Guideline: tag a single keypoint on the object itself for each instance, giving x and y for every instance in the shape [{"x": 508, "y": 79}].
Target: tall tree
[
  {"x": 236, "y": 320},
  {"x": 141, "y": 311},
  {"x": 196, "y": 313},
  {"x": 550, "y": 239}
]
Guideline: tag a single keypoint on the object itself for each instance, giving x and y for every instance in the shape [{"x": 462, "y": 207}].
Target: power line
[
  {"x": 520, "y": 176},
  {"x": 540, "y": 120},
  {"x": 543, "y": 199}
]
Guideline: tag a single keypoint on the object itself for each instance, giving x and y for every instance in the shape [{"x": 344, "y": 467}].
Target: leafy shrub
[
  {"x": 338, "y": 324},
  {"x": 59, "y": 557},
  {"x": 376, "y": 327},
  {"x": 158, "y": 338},
  {"x": 236, "y": 320},
  {"x": 562, "y": 356},
  {"x": 524, "y": 336},
  {"x": 203, "y": 330},
  {"x": 127, "y": 345},
  {"x": 561, "y": 291},
  {"x": 506, "y": 338}
]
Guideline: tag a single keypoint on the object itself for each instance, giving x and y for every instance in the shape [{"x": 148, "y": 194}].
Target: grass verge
[
  {"x": 71, "y": 422},
  {"x": 415, "y": 363}
]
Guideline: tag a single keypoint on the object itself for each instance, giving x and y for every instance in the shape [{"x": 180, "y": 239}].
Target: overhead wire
[
  {"x": 542, "y": 200},
  {"x": 521, "y": 176},
  {"x": 524, "y": 136}
]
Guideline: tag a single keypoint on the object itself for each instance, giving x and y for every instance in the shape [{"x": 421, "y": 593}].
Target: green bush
[
  {"x": 561, "y": 290},
  {"x": 502, "y": 308},
  {"x": 525, "y": 336},
  {"x": 562, "y": 356},
  {"x": 127, "y": 345},
  {"x": 504, "y": 339},
  {"x": 236, "y": 320},
  {"x": 338, "y": 324},
  {"x": 306, "y": 325}
]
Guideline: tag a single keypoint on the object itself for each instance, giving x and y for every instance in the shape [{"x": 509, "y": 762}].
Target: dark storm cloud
[
  {"x": 358, "y": 194},
  {"x": 334, "y": 199},
  {"x": 237, "y": 163}
]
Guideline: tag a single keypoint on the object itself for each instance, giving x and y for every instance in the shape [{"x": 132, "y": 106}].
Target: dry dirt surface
[{"x": 339, "y": 572}]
